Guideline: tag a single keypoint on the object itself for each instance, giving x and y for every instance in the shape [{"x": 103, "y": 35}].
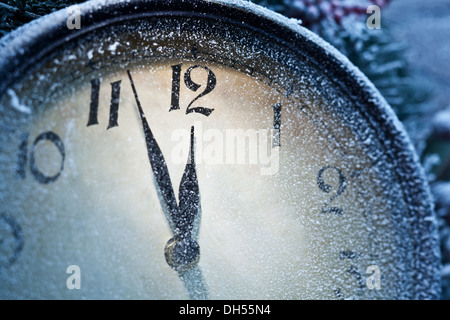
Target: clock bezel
[{"x": 23, "y": 48}]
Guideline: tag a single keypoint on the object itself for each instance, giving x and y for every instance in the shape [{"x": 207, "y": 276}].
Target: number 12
[{"x": 176, "y": 84}]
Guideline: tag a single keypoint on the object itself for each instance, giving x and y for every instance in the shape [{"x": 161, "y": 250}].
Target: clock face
[{"x": 183, "y": 157}]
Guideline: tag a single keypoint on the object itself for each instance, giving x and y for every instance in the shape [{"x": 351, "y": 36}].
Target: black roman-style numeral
[
  {"x": 209, "y": 86},
  {"x": 114, "y": 105},
  {"x": 327, "y": 188},
  {"x": 176, "y": 80},
  {"x": 276, "y": 125},
  {"x": 211, "y": 82},
  {"x": 23, "y": 160},
  {"x": 93, "y": 111}
]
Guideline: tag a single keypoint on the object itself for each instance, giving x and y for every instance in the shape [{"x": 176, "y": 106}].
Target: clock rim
[{"x": 22, "y": 48}]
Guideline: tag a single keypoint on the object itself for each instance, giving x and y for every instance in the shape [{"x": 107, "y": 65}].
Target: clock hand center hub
[{"x": 182, "y": 253}]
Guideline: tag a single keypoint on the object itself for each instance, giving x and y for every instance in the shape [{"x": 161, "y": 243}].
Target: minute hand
[
  {"x": 159, "y": 168},
  {"x": 182, "y": 252}
]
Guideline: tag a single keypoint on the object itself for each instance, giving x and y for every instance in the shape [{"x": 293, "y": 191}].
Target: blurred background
[{"x": 407, "y": 59}]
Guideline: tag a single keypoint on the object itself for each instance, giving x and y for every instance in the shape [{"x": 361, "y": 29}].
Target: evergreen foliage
[{"x": 14, "y": 13}]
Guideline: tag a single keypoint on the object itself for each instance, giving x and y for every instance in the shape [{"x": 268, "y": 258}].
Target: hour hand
[
  {"x": 182, "y": 251},
  {"x": 189, "y": 196}
]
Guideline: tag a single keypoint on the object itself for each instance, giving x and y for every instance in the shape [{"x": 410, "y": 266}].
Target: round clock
[{"x": 202, "y": 150}]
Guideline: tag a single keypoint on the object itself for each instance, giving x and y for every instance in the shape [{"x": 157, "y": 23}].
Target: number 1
[{"x": 276, "y": 125}]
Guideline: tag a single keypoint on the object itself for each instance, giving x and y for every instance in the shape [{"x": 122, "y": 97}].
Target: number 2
[{"x": 327, "y": 188}]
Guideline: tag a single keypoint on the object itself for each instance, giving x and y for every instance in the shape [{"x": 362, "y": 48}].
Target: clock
[{"x": 202, "y": 150}]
